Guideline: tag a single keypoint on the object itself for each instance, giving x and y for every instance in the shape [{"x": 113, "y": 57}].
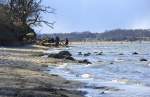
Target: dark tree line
[{"x": 112, "y": 35}]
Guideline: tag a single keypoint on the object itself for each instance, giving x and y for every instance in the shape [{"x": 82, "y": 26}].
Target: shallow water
[{"x": 115, "y": 73}]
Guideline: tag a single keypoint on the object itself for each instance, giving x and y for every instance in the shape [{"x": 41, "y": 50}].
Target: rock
[
  {"x": 111, "y": 62},
  {"x": 100, "y": 53},
  {"x": 100, "y": 61},
  {"x": 121, "y": 54},
  {"x": 54, "y": 75},
  {"x": 103, "y": 92},
  {"x": 104, "y": 88},
  {"x": 95, "y": 52},
  {"x": 62, "y": 95},
  {"x": 84, "y": 61},
  {"x": 67, "y": 82},
  {"x": 70, "y": 58},
  {"x": 44, "y": 65},
  {"x": 143, "y": 59},
  {"x": 87, "y": 54},
  {"x": 79, "y": 53},
  {"x": 54, "y": 56},
  {"x": 135, "y": 53},
  {"x": 62, "y": 55},
  {"x": 65, "y": 53}
]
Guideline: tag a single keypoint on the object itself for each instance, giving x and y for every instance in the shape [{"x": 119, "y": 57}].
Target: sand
[{"x": 23, "y": 74}]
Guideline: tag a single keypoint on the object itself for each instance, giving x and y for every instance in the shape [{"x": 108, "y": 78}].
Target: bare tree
[{"x": 28, "y": 12}]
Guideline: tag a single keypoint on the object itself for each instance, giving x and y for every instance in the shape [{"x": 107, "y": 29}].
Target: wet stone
[
  {"x": 135, "y": 53},
  {"x": 143, "y": 59}
]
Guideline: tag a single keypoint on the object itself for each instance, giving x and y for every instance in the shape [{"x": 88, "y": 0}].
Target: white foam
[
  {"x": 86, "y": 76},
  {"x": 64, "y": 65},
  {"x": 121, "y": 81}
]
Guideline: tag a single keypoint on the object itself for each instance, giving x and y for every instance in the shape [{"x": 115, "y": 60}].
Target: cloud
[{"x": 97, "y": 15}]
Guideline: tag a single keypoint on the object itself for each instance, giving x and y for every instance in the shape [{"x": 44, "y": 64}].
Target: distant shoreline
[{"x": 105, "y": 42}]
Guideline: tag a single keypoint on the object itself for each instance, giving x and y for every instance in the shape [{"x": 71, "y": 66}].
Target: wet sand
[{"x": 22, "y": 75}]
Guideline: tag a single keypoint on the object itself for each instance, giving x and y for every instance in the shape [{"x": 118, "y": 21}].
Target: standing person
[
  {"x": 67, "y": 42},
  {"x": 57, "y": 40},
  {"x": 52, "y": 40}
]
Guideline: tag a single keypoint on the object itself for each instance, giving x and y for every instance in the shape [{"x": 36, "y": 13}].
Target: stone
[
  {"x": 111, "y": 62},
  {"x": 143, "y": 59},
  {"x": 65, "y": 53},
  {"x": 85, "y": 61},
  {"x": 100, "y": 53},
  {"x": 121, "y": 54},
  {"x": 87, "y": 54},
  {"x": 135, "y": 53},
  {"x": 79, "y": 53},
  {"x": 62, "y": 55}
]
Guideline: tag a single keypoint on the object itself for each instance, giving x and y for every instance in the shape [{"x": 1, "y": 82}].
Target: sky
[{"x": 97, "y": 15}]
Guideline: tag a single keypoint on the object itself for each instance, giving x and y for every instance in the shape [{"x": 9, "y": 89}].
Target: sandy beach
[{"x": 23, "y": 74}]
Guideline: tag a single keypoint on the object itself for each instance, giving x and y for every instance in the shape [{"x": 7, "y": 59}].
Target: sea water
[{"x": 116, "y": 72}]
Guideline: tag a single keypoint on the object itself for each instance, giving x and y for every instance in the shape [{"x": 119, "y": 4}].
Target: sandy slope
[{"x": 21, "y": 75}]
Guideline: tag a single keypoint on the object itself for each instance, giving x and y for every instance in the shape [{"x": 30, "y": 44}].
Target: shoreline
[
  {"x": 104, "y": 42},
  {"x": 22, "y": 75}
]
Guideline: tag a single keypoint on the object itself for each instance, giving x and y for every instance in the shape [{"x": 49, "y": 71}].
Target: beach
[
  {"x": 24, "y": 73},
  {"x": 116, "y": 70}
]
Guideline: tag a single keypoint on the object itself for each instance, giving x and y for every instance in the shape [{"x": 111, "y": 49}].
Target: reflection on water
[{"x": 117, "y": 72}]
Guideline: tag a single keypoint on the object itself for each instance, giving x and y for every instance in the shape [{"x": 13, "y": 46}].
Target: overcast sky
[{"x": 98, "y": 15}]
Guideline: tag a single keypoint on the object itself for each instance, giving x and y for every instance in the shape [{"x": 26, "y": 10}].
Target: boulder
[
  {"x": 135, "y": 53},
  {"x": 121, "y": 54},
  {"x": 111, "y": 62},
  {"x": 100, "y": 53},
  {"x": 87, "y": 54},
  {"x": 62, "y": 55},
  {"x": 95, "y": 52},
  {"x": 143, "y": 59},
  {"x": 79, "y": 53},
  {"x": 84, "y": 61},
  {"x": 70, "y": 58},
  {"x": 65, "y": 53}
]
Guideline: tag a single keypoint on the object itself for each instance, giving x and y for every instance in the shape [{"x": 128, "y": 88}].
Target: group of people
[{"x": 57, "y": 41}]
